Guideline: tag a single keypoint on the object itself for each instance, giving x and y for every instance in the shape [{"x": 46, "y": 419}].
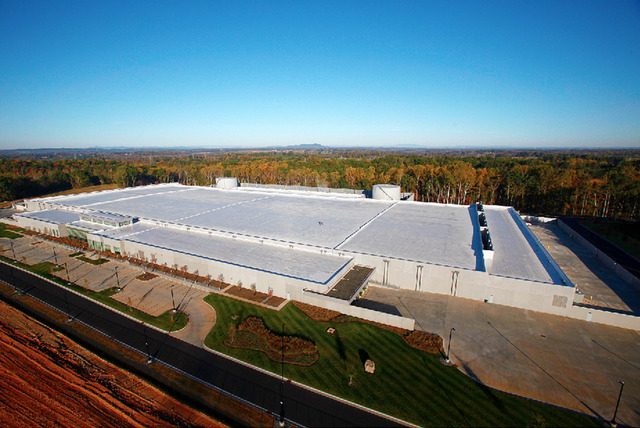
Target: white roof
[
  {"x": 87, "y": 226},
  {"x": 304, "y": 265},
  {"x": 309, "y": 220},
  {"x": 89, "y": 199},
  {"x": 52, "y": 216},
  {"x": 423, "y": 232},
  {"x": 516, "y": 256}
]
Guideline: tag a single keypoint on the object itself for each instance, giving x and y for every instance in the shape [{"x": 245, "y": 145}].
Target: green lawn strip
[
  {"x": 408, "y": 383},
  {"x": 92, "y": 261},
  {"x": 76, "y": 254},
  {"x": 8, "y": 233},
  {"x": 165, "y": 321}
]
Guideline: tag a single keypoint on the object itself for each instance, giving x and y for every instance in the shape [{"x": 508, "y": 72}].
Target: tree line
[{"x": 595, "y": 185}]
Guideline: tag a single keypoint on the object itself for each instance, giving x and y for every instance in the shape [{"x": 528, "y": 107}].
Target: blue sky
[{"x": 345, "y": 73}]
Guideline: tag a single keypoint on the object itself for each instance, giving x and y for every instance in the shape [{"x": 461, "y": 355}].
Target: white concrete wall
[
  {"x": 537, "y": 296},
  {"x": 605, "y": 317},
  {"x": 355, "y": 311},
  {"x": 41, "y": 226},
  {"x": 281, "y": 286}
]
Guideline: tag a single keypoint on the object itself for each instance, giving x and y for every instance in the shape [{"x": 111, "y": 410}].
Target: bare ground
[{"x": 47, "y": 379}]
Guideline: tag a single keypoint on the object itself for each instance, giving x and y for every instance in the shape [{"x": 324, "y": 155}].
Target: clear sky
[{"x": 451, "y": 73}]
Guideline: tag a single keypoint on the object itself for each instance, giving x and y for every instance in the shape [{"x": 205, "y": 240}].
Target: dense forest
[{"x": 599, "y": 185}]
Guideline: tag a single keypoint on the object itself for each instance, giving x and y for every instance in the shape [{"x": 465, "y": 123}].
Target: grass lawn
[
  {"x": 625, "y": 235},
  {"x": 7, "y": 233},
  {"x": 76, "y": 254},
  {"x": 409, "y": 384},
  {"x": 92, "y": 261},
  {"x": 165, "y": 321}
]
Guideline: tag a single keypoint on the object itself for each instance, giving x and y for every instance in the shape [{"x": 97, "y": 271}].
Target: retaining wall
[
  {"x": 603, "y": 316},
  {"x": 356, "y": 311}
]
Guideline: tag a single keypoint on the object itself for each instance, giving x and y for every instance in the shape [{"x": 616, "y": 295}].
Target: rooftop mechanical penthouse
[{"x": 320, "y": 245}]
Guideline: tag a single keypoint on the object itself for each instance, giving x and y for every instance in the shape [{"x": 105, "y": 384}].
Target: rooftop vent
[
  {"x": 226, "y": 182},
  {"x": 386, "y": 192}
]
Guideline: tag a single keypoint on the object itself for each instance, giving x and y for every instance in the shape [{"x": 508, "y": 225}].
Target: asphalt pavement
[{"x": 302, "y": 406}]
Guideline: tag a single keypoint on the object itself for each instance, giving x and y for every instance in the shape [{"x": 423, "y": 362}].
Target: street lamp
[
  {"x": 117, "y": 278},
  {"x": 146, "y": 346},
  {"x": 13, "y": 250},
  {"x": 281, "y": 415},
  {"x": 66, "y": 302},
  {"x": 55, "y": 256},
  {"x": 66, "y": 268},
  {"x": 615, "y": 412},
  {"x": 448, "y": 360}
]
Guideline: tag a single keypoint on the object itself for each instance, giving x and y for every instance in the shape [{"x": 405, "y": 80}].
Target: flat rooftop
[
  {"x": 87, "y": 226},
  {"x": 89, "y": 199},
  {"x": 52, "y": 216},
  {"x": 317, "y": 221},
  {"x": 421, "y": 232},
  {"x": 515, "y": 255},
  {"x": 305, "y": 265}
]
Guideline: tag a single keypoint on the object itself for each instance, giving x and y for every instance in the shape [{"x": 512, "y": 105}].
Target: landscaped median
[
  {"x": 408, "y": 383},
  {"x": 168, "y": 321}
]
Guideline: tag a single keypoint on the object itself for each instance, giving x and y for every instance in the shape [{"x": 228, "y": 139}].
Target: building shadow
[
  {"x": 377, "y": 306},
  {"x": 476, "y": 239},
  {"x": 535, "y": 363},
  {"x": 628, "y": 293},
  {"x": 488, "y": 391}
]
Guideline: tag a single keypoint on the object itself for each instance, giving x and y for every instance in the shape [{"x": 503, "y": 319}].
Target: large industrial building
[{"x": 325, "y": 245}]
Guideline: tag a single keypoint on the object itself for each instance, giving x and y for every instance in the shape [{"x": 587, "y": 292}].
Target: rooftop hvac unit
[
  {"x": 482, "y": 219},
  {"x": 486, "y": 240}
]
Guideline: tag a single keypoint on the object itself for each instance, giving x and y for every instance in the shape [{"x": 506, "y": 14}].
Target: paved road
[{"x": 302, "y": 406}]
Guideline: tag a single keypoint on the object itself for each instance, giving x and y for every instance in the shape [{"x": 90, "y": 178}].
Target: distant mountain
[{"x": 295, "y": 147}]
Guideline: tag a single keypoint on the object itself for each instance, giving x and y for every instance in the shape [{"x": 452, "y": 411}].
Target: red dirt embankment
[{"x": 47, "y": 379}]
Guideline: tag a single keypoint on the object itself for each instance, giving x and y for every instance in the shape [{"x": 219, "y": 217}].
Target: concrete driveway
[
  {"x": 601, "y": 285},
  {"x": 558, "y": 360}
]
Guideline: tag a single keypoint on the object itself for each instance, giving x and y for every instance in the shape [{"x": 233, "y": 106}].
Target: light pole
[
  {"x": 173, "y": 301},
  {"x": 281, "y": 415},
  {"x": 66, "y": 302},
  {"x": 13, "y": 250},
  {"x": 55, "y": 256},
  {"x": 146, "y": 346},
  {"x": 615, "y": 412},
  {"x": 448, "y": 360},
  {"x": 117, "y": 278},
  {"x": 66, "y": 268}
]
